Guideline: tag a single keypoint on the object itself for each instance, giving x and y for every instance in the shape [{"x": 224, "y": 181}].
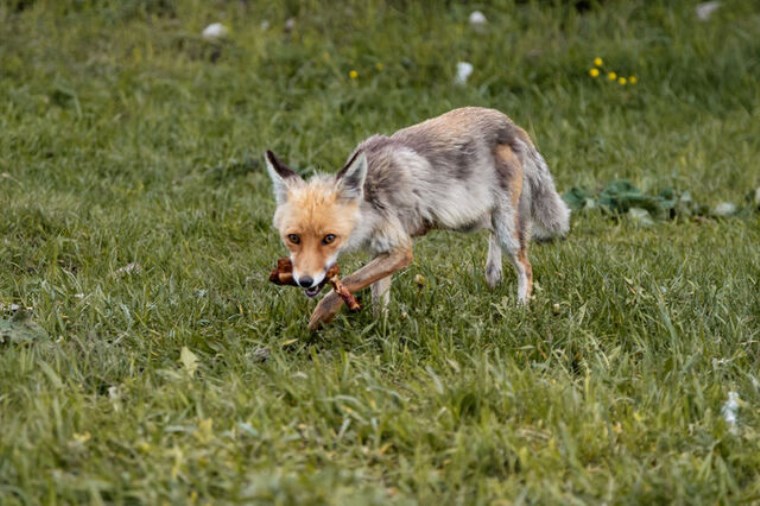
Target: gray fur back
[{"x": 441, "y": 173}]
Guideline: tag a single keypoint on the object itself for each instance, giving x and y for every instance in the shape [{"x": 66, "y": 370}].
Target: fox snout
[
  {"x": 310, "y": 262},
  {"x": 308, "y": 280},
  {"x": 305, "y": 281}
]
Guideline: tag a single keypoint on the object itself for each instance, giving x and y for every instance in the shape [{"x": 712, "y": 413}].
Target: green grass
[{"x": 127, "y": 138}]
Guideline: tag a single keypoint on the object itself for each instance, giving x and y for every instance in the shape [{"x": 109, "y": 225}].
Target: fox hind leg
[
  {"x": 510, "y": 232},
  {"x": 525, "y": 283},
  {"x": 493, "y": 263}
]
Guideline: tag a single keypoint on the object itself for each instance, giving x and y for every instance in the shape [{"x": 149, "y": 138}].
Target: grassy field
[{"x": 136, "y": 229}]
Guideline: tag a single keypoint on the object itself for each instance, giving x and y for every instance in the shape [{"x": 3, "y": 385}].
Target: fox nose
[{"x": 305, "y": 281}]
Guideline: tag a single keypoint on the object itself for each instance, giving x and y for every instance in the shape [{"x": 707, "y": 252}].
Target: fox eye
[
  {"x": 328, "y": 239},
  {"x": 294, "y": 238}
]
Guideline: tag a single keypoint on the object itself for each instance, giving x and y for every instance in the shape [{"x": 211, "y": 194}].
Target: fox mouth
[{"x": 313, "y": 291}]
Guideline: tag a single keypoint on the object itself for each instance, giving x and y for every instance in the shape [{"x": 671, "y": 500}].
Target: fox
[{"x": 466, "y": 170}]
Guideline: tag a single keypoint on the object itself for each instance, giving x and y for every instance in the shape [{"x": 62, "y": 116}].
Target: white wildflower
[
  {"x": 464, "y": 70},
  {"x": 706, "y": 9},
  {"x": 729, "y": 411},
  {"x": 725, "y": 209},
  {"x": 215, "y": 31},
  {"x": 478, "y": 20}
]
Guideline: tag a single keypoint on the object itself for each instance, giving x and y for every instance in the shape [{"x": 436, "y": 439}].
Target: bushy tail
[{"x": 551, "y": 216}]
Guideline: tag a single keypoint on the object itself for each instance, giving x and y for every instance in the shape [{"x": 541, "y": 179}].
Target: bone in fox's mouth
[{"x": 313, "y": 291}]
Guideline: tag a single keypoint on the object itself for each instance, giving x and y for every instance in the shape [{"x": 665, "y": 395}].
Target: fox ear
[
  {"x": 282, "y": 176},
  {"x": 351, "y": 178}
]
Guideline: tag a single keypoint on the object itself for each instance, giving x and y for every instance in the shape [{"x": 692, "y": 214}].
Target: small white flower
[
  {"x": 478, "y": 19},
  {"x": 464, "y": 70},
  {"x": 729, "y": 411},
  {"x": 725, "y": 209},
  {"x": 705, "y": 10},
  {"x": 215, "y": 31}
]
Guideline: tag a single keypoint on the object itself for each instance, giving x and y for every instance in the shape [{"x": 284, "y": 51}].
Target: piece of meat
[
  {"x": 283, "y": 276},
  {"x": 342, "y": 291}
]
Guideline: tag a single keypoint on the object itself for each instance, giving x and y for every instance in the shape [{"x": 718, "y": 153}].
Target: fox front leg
[
  {"x": 382, "y": 266},
  {"x": 325, "y": 310}
]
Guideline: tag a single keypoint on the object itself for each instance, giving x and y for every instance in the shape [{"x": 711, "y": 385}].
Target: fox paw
[{"x": 325, "y": 310}]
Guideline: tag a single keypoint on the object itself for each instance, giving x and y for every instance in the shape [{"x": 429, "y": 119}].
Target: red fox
[{"x": 469, "y": 169}]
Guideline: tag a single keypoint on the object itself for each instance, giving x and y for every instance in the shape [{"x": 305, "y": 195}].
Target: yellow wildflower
[
  {"x": 622, "y": 81},
  {"x": 633, "y": 80},
  {"x": 353, "y": 74},
  {"x": 379, "y": 66},
  {"x": 593, "y": 72},
  {"x": 598, "y": 62},
  {"x": 612, "y": 76}
]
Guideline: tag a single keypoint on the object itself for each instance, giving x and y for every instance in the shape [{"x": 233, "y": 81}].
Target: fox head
[{"x": 315, "y": 218}]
